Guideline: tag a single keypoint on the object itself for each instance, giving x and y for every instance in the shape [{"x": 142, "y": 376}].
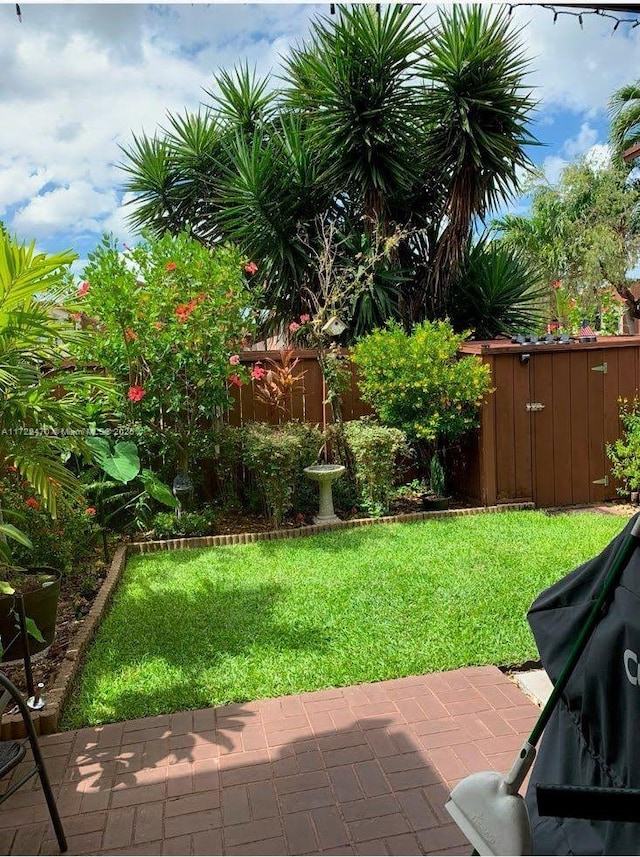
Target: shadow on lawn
[{"x": 165, "y": 643}]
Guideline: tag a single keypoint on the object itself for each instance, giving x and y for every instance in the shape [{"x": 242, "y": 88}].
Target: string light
[{"x": 610, "y": 12}]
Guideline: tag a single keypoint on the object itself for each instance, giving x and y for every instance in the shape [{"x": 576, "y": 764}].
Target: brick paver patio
[{"x": 357, "y": 770}]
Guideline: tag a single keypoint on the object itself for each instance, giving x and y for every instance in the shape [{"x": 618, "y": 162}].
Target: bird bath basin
[{"x": 324, "y": 475}]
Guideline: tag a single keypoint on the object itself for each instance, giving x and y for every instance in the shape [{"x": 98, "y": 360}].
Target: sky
[{"x": 78, "y": 80}]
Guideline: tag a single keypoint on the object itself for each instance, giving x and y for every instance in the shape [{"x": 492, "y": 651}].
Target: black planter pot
[
  {"x": 433, "y": 503},
  {"x": 41, "y": 605}
]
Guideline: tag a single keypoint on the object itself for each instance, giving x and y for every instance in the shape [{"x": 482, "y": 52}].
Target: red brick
[
  {"x": 244, "y": 760},
  {"x": 69, "y": 800},
  {"x": 345, "y": 783},
  {"x": 375, "y": 709},
  {"x": 417, "y": 810},
  {"x": 204, "y": 719},
  {"x": 413, "y": 779},
  {"x": 520, "y": 712},
  {"x": 206, "y": 776},
  {"x": 254, "y": 831},
  {"x": 307, "y": 800},
  {"x": 444, "y": 739},
  {"x": 292, "y": 706},
  {"x": 375, "y": 828},
  {"x": 341, "y": 740},
  {"x": 285, "y": 767},
  {"x": 503, "y": 744},
  {"x": 140, "y": 794},
  {"x": 403, "y": 738},
  {"x": 95, "y": 801},
  {"x": 23, "y": 816},
  {"x": 496, "y": 697},
  {"x": 299, "y": 833},
  {"x": 449, "y": 765},
  {"x": 347, "y": 756},
  {"x": 298, "y": 722},
  {"x": 254, "y": 738},
  {"x": 431, "y": 706},
  {"x": 371, "y": 778},
  {"x": 496, "y": 723},
  {"x": 148, "y": 776},
  {"x": 145, "y": 849},
  {"x": 179, "y": 780},
  {"x": 84, "y": 843},
  {"x": 433, "y": 727},
  {"x": 471, "y": 757},
  {"x": 111, "y": 735},
  {"x": 310, "y": 761},
  {"x": 178, "y": 846},
  {"x": 405, "y": 762},
  {"x": 380, "y": 742},
  {"x": 235, "y": 805},
  {"x": 472, "y": 725},
  {"x": 192, "y": 803},
  {"x": 141, "y": 736},
  {"x": 301, "y": 782},
  {"x": 315, "y": 706},
  {"x": 207, "y": 842},
  {"x": 403, "y": 844},
  {"x": 371, "y": 848},
  {"x": 320, "y": 722},
  {"x": 370, "y": 808},
  {"x": 262, "y": 799},
  {"x": 192, "y": 823},
  {"x": 438, "y": 838},
  {"x": 437, "y": 795},
  {"x": 119, "y": 830},
  {"x": 154, "y": 721},
  {"x": 262, "y": 847},
  {"x": 204, "y": 751},
  {"x": 28, "y": 838},
  {"x": 468, "y": 706},
  {"x": 287, "y": 736},
  {"x": 86, "y": 823},
  {"x": 181, "y": 722},
  {"x": 148, "y": 822},
  {"x": 250, "y": 774},
  {"x": 330, "y": 829}
]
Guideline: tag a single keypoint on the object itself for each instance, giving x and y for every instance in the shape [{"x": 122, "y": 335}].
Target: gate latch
[
  {"x": 603, "y": 481},
  {"x": 602, "y": 368},
  {"x": 535, "y": 406}
]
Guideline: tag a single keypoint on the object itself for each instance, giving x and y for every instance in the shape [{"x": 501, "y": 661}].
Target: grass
[{"x": 190, "y": 629}]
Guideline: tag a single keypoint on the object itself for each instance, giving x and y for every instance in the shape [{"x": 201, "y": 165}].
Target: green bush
[
  {"x": 62, "y": 542},
  {"x": 168, "y": 526},
  {"x": 276, "y": 456},
  {"x": 624, "y": 454},
  {"x": 375, "y": 449},
  {"x": 417, "y": 383}
]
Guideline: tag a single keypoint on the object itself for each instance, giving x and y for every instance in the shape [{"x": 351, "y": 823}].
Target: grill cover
[{"x": 593, "y": 736}]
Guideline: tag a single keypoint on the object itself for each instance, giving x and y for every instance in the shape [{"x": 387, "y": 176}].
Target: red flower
[
  {"x": 202, "y": 297},
  {"x": 32, "y": 503},
  {"x": 233, "y": 379},
  {"x": 12, "y": 468},
  {"x": 130, "y": 335},
  {"x": 294, "y": 326},
  {"x": 182, "y": 312},
  {"x": 305, "y": 318},
  {"x": 257, "y": 373},
  {"x": 158, "y": 325},
  {"x": 171, "y": 266},
  {"x": 234, "y": 360},
  {"x": 84, "y": 288},
  {"x": 557, "y": 284},
  {"x": 76, "y": 316},
  {"x": 251, "y": 268},
  {"x": 136, "y": 393},
  {"x": 91, "y": 511}
]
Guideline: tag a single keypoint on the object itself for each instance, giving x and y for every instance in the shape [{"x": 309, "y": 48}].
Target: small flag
[{"x": 586, "y": 329}]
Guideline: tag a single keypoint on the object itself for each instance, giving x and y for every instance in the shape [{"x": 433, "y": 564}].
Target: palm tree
[
  {"x": 624, "y": 111},
  {"x": 380, "y": 124}
]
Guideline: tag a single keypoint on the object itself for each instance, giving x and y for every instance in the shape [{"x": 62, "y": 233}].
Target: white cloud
[
  {"x": 65, "y": 207},
  {"x": 552, "y": 166},
  {"x": 585, "y": 139}
]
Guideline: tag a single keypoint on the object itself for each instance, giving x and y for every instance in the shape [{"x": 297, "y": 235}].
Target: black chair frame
[{"x": 13, "y": 752}]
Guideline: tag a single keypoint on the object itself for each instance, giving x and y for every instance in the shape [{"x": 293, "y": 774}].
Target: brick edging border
[{"x": 46, "y": 721}]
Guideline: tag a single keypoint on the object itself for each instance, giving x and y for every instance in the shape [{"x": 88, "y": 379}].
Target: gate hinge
[
  {"x": 603, "y": 481},
  {"x": 534, "y": 406},
  {"x": 602, "y": 368}
]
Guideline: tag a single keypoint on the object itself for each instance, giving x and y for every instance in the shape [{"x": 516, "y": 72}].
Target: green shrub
[
  {"x": 417, "y": 383},
  {"x": 276, "y": 456},
  {"x": 62, "y": 542},
  {"x": 168, "y": 526},
  {"x": 624, "y": 454},
  {"x": 375, "y": 449}
]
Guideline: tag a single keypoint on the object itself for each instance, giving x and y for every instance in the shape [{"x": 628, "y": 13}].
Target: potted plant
[{"x": 434, "y": 500}]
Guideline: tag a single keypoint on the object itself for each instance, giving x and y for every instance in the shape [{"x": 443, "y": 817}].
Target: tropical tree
[
  {"x": 43, "y": 416},
  {"x": 380, "y": 123},
  {"x": 583, "y": 233},
  {"x": 624, "y": 110}
]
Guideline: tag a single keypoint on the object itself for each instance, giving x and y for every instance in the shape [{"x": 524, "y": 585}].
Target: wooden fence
[{"x": 309, "y": 400}]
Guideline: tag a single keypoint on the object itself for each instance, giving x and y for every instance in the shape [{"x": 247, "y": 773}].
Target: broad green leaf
[
  {"x": 157, "y": 489},
  {"x": 33, "y": 630},
  {"x": 17, "y": 535},
  {"x": 6, "y": 588},
  {"x": 121, "y": 463}
]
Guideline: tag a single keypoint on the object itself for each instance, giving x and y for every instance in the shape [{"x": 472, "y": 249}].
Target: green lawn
[{"x": 190, "y": 629}]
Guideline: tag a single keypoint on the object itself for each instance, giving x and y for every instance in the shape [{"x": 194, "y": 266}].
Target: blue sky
[{"x": 78, "y": 79}]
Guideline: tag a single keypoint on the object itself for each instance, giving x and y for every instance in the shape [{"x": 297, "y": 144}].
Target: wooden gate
[{"x": 545, "y": 427}]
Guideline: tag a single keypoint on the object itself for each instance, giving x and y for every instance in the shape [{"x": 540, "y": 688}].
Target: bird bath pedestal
[{"x": 324, "y": 475}]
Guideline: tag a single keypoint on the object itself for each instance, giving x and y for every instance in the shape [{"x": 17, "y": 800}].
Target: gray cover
[{"x": 593, "y": 736}]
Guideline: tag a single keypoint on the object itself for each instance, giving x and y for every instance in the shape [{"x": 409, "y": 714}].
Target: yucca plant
[{"x": 497, "y": 290}]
